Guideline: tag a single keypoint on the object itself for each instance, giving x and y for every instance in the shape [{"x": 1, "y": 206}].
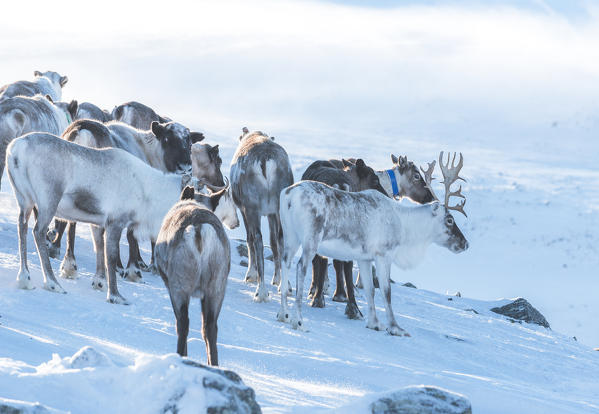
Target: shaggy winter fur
[
  {"x": 108, "y": 188},
  {"x": 88, "y": 110},
  {"x": 259, "y": 171},
  {"x": 137, "y": 115},
  {"x": 193, "y": 258},
  {"x": 46, "y": 83},
  {"x": 364, "y": 226},
  {"x": 21, "y": 115}
]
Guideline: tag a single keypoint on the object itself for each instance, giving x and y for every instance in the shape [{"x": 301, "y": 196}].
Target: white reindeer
[
  {"x": 365, "y": 226},
  {"x": 108, "y": 188}
]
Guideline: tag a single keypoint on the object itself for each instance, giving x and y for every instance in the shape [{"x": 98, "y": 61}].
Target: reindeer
[
  {"x": 20, "y": 115},
  {"x": 366, "y": 226},
  {"x": 193, "y": 258},
  {"x": 88, "y": 110},
  {"x": 259, "y": 171},
  {"x": 355, "y": 177},
  {"x": 108, "y": 188},
  {"x": 46, "y": 83},
  {"x": 137, "y": 115},
  {"x": 164, "y": 146}
]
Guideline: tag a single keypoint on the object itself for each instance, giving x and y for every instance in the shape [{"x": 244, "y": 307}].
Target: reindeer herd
[{"x": 136, "y": 170}]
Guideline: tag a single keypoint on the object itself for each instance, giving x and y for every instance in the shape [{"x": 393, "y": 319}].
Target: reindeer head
[
  {"x": 218, "y": 200},
  {"x": 206, "y": 163},
  {"x": 451, "y": 237},
  {"x": 54, "y": 77},
  {"x": 410, "y": 182},
  {"x": 363, "y": 175},
  {"x": 175, "y": 140}
]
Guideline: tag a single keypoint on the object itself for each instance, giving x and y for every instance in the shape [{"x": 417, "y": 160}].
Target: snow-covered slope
[{"x": 456, "y": 343}]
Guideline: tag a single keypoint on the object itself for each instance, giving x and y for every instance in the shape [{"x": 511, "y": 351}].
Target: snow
[{"x": 513, "y": 86}]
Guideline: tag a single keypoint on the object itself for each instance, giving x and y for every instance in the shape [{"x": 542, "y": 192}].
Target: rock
[
  {"x": 232, "y": 394},
  {"x": 471, "y": 310},
  {"x": 421, "y": 400},
  {"x": 521, "y": 310},
  {"x": 410, "y": 285},
  {"x": 23, "y": 407}
]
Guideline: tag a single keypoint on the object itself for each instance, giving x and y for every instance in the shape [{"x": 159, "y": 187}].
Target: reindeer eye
[
  {"x": 449, "y": 221},
  {"x": 417, "y": 177}
]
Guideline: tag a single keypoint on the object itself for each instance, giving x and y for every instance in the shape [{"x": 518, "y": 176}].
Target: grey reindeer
[
  {"x": 21, "y": 115},
  {"x": 137, "y": 115},
  {"x": 259, "y": 171},
  {"x": 193, "y": 258},
  {"x": 44, "y": 83},
  {"x": 354, "y": 177}
]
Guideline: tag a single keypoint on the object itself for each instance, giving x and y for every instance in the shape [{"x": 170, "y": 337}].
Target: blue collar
[{"x": 394, "y": 187}]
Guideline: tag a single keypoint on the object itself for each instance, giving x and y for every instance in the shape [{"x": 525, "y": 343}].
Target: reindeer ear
[
  {"x": 63, "y": 81},
  {"x": 215, "y": 198},
  {"x": 394, "y": 159},
  {"x": 361, "y": 168},
  {"x": 72, "y": 108},
  {"x": 346, "y": 163},
  {"x": 213, "y": 153},
  {"x": 37, "y": 73},
  {"x": 187, "y": 193},
  {"x": 157, "y": 129},
  {"x": 48, "y": 97},
  {"x": 196, "y": 137}
]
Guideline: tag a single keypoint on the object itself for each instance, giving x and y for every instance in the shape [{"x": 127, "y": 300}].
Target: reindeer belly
[
  {"x": 81, "y": 205},
  {"x": 342, "y": 249}
]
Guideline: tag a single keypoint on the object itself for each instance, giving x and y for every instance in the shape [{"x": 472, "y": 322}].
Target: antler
[
  {"x": 428, "y": 176},
  {"x": 214, "y": 188},
  {"x": 450, "y": 176}
]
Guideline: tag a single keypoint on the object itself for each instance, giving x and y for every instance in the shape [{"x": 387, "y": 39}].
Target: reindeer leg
[
  {"x": 273, "y": 227},
  {"x": 352, "y": 311},
  {"x": 366, "y": 272},
  {"x": 133, "y": 272},
  {"x": 340, "y": 295},
  {"x": 290, "y": 247},
  {"x": 180, "y": 302},
  {"x": 210, "y": 310},
  {"x": 252, "y": 273},
  {"x": 302, "y": 270},
  {"x": 257, "y": 254},
  {"x": 68, "y": 267},
  {"x": 44, "y": 217},
  {"x": 54, "y": 236},
  {"x": 384, "y": 270},
  {"x": 99, "y": 280},
  {"x": 319, "y": 269},
  {"x": 112, "y": 236},
  {"x": 23, "y": 277}
]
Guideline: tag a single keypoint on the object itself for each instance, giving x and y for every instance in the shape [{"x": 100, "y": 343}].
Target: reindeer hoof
[
  {"x": 54, "y": 287},
  {"x": 99, "y": 283},
  {"x": 283, "y": 316},
  {"x": 276, "y": 280},
  {"x": 119, "y": 271},
  {"x": 117, "y": 299},
  {"x": 261, "y": 295},
  {"x": 353, "y": 312},
  {"x": 68, "y": 269},
  {"x": 297, "y": 324},
  {"x": 133, "y": 275},
  {"x": 340, "y": 298},
  {"x": 251, "y": 276},
  {"x": 397, "y": 331},
  {"x": 143, "y": 266},
  {"x": 24, "y": 281},
  {"x": 377, "y": 326},
  {"x": 317, "y": 302}
]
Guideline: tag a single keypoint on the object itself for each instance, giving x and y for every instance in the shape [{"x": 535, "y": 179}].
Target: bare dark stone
[
  {"x": 421, "y": 400},
  {"x": 410, "y": 285},
  {"x": 522, "y": 310},
  {"x": 471, "y": 310}
]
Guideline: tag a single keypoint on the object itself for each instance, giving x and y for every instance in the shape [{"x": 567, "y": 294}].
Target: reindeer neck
[
  {"x": 415, "y": 224},
  {"x": 386, "y": 182}
]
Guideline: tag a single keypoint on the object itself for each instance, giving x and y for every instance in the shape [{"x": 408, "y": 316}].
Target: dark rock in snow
[
  {"x": 521, "y": 310},
  {"x": 410, "y": 285},
  {"x": 242, "y": 250},
  {"x": 421, "y": 400},
  {"x": 233, "y": 395}
]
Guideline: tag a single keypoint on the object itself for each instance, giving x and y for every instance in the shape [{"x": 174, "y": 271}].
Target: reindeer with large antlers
[{"x": 365, "y": 226}]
